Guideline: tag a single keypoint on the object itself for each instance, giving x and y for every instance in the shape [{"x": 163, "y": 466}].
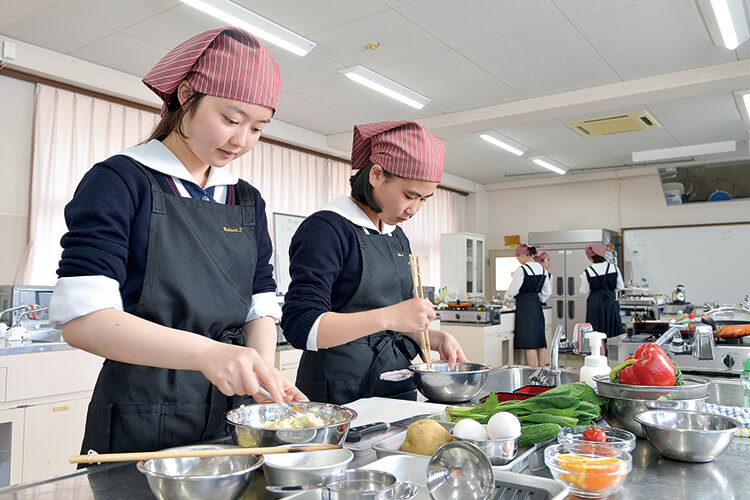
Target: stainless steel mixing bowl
[
  {"x": 247, "y": 424},
  {"x": 687, "y": 435},
  {"x": 291, "y": 469},
  {"x": 444, "y": 384},
  {"x": 619, "y": 412},
  {"x": 459, "y": 470},
  {"x": 199, "y": 478}
]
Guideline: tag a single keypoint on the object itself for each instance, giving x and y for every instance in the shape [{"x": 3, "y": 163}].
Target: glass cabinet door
[
  {"x": 479, "y": 266},
  {"x": 469, "y": 265}
]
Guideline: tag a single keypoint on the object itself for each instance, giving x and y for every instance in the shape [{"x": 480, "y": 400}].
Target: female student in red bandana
[
  {"x": 164, "y": 270},
  {"x": 350, "y": 303}
]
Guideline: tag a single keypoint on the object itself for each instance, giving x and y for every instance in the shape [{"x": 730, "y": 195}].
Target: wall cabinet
[
  {"x": 287, "y": 361},
  {"x": 462, "y": 263}
]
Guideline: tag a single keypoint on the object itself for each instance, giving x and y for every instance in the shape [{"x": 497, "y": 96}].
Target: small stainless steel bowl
[
  {"x": 199, "y": 478},
  {"x": 444, "y": 384},
  {"x": 688, "y": 436},
  {"x": 619, "y": 412},
  {"x": 247, "y": 425},
  {"x": 358, "y": 484},
  {"x": 459, "y": 470},
  {"x": 498, "y": 451},
  {"x": 291, "y": 469}
]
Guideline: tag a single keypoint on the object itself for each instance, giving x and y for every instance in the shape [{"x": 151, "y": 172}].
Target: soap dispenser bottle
[{"x": 594, "y": 363}]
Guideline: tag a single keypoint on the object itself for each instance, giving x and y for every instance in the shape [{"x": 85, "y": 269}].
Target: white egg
[
  {"x": 503, "y": 425},
  {"x": 470, "y": 429}
]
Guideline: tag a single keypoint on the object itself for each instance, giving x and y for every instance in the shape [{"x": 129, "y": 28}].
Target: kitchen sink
[
  {"x": 510, "y": 378},
  {"x": 47, "y": 336},
  {"x": 725, "y": 391}
]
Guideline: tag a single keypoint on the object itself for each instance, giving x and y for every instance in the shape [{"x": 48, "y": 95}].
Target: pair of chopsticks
[
  {"x": 95, "y": 458},
  {"x": 416, "y": 279}
]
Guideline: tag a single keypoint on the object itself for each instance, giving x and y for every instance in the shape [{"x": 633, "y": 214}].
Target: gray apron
[
  {"x": 602, "y": 309},
  {"x": 351, "y": 371},
  {"x": 529, "y": 333},
  {"x": 199, "y": 275}
]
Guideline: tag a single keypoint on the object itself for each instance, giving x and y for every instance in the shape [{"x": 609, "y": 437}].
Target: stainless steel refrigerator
[{"x": 567, "y": 262}]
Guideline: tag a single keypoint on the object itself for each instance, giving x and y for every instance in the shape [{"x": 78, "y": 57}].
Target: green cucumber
[{"x": 533, "y": 434}]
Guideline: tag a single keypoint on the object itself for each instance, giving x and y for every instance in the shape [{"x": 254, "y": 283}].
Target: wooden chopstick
[
  {"x": 417, "y": 284},
  {"x": 96, "y": 458},
  {"x": 426, "y": 333}
]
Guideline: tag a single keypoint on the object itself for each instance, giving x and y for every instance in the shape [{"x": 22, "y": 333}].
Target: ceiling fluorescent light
[
  {"x": 742, "y": 100},
  {"x": 503, "y": 142},
  {"x": 381, "y": 84},
  {"x": 235, "y": 15},
  {"x": 545, "y": 162},
  {"x": 726, "y": 21},
  {"x": 684, "y": 151}
]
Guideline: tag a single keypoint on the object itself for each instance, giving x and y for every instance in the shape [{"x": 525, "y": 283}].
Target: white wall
[
  {"x": 16, "y": 128},
  {"x": 612, "y": 200}
]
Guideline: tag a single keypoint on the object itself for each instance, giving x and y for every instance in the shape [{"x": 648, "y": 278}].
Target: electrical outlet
[{"x": 9, "y": 51}]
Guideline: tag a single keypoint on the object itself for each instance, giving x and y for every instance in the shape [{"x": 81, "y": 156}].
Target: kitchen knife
[{"x": 355, "y": 434}]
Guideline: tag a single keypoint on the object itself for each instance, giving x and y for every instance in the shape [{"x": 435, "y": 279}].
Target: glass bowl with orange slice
[{"x": 589, "y": 470}]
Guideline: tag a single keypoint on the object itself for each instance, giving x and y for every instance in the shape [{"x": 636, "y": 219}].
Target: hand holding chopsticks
[{"x": 416, "y": 278}]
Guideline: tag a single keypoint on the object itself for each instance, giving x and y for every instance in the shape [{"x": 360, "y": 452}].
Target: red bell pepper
[{"x": 650, "y": 365}]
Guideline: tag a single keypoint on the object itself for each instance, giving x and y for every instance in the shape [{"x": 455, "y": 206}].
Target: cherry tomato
[{"x": 595, "y": 434}]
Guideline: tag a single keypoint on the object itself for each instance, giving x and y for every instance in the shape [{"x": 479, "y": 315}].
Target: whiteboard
[
  {"x": 711, "y": 261},
  {"x": 284, "y": 227}
]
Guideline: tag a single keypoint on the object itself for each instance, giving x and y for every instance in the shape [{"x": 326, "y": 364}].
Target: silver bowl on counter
[
  {"x": 442, "y": 384},
  {"x": 686, "y": 435},
  {"x": 622, "y": 402},
  {"x": 199, "y": 478},
  {"x": 289, "y": 469},
  {"x": 248, "y": 422}
]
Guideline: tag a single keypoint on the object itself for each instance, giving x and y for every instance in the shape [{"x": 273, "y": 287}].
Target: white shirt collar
[
  {"x": 157, "y": 156},
  {"x": 346, "y": 208}
]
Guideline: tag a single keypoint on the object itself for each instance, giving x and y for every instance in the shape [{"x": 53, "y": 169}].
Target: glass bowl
[
  {"x": 616, "y": 438},
  {"x": 589, "y": 471}
]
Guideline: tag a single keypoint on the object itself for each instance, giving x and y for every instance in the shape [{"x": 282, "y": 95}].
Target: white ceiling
[{"x": 523, "y": 67}]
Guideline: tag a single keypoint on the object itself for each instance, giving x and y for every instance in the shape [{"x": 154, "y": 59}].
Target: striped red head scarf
[
  {"x": 223, "y": 62},
  {"x": 523, "y": 249},
  {"x": 596, "y": 249},
  {"x": 540, "y": 256},
  {"x": 403, "y": 148}
]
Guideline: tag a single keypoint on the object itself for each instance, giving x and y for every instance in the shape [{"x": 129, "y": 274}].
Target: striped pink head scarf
[
  {"x": 523, "y": 249},
  {"x": 596, "y": 249},
  {"x": 403, "y": 148},
  {"x": 540, "y": 256},
  {"x": 223, "y": 62}
]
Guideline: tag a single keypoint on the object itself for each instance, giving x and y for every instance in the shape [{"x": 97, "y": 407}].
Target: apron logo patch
[
  {"x": 400, "y": 254},
  {"x": 232, "y": 229}
]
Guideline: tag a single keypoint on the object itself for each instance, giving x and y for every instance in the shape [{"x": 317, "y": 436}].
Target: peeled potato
[{"x": 424, "y": 437}]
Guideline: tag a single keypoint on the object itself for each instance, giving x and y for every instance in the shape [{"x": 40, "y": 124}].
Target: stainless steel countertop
[
  {"x": 653, "y": 476},
  {"x": 34, "y": 347}
]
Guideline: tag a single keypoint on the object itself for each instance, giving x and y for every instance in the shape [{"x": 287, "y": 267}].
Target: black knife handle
[{"x": 355, "y": 434}]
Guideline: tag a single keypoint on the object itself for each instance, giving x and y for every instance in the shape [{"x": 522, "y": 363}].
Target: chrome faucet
[
  {"x": 4, "y": 312},
  {"x": 27, "y": 312},
  {"x": 702, "y": 346},
  {"x": 544, "y": 375}
]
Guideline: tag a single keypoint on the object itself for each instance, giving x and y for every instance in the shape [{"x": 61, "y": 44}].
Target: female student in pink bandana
[{"x": 164, "y": 270}]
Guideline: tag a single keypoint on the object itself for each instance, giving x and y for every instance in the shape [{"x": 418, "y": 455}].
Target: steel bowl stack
[
  {"x": 622, "y": 402},
  {"x": 686, "y": 435},
  {"x": 248, "y": 425},
  {"x": 199, "y": 478},
  {"x": 442, "y": 384}
]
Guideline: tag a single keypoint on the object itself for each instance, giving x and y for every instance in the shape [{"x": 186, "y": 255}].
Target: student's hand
[
  {"x": 450, "y": 350},
  {"x": 291, "y": 393},
  {"x": 413, "y": 315},
  {"x": 239, "y": 370}
]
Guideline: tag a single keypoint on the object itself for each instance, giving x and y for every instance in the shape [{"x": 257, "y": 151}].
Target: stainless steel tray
[
  {"x": 526, "y": 457},
  {"x": 412, "y": 468}
]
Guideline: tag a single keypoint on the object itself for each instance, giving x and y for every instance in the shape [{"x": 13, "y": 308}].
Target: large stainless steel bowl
[
  {"x": 444, "y": 384},
  {"x": 688, "y": 436},
  {"x": 620, "y": 412},
  {"x": 290, "y": 469},
  {"x": 247, "y": 424},
  {"x": 694, "y": 388},
  {"x": 199, "y": 478}
]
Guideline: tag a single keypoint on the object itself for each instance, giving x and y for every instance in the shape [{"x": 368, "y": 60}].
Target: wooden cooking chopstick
[
  {"x": 95, "y": 458},
  {"x": 426, "y": 357},
  {"x": 426, "y": 333}
]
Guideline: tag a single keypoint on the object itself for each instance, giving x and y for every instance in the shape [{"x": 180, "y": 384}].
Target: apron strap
[
  {"x": 246, "y": 198},
  {"x": 386, "y": 345}
]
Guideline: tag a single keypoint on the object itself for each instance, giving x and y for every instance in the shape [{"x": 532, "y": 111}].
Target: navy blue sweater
[
  {"x": 108, "y": 226},
  {"x": 325, "y": 267}
]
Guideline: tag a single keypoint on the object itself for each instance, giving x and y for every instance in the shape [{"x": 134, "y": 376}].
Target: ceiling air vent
[{"x": 616, "y": 124}]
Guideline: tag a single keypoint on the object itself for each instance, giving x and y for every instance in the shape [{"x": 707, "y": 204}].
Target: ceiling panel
[
  {"x": 292, "y": 109},
  {"x": 41, "y": 28},
  {"x": 622, "y": 146},
  {"x": 329, "y": 124},
  {"x": 184, "y": 23},
  {"x": 308, "y": 17},
  {"x": 299, "y": 71},
  {"x": 115, "y": 15},
  {"x": 473, "y": 96},
  {"x": 551, "y": 80},
  {"x": 461, "y": 24},
  {"x": 399, "y": 40},
  {"x": 133, "y": 56},
  {"x": 576, "y": 9},
  {"x": 463, "y": 167}
]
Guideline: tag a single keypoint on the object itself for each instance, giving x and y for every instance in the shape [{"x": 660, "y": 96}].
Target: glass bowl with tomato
[
  {"x": 589, "y": 470},
  {"x": 604, "y": 436}
]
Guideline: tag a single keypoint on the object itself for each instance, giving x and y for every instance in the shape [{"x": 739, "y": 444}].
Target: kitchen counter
[
  {"x": 35, "y": 347},
  {"x": 653, "y": 476}
]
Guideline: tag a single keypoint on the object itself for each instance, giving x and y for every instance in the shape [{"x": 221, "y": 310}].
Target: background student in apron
[
  {"x": 350, "y": 303},
  {"x": 543, "y": 258},
  {"x": 164, "y": 270},
  {"x": 530, "y": 287},
  {"x": 600, "y": 281}
]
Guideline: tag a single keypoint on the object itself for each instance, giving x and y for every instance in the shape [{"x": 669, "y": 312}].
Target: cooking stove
[{"x": 474, "y": 314}]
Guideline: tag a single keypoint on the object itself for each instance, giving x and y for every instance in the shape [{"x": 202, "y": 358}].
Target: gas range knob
[
  {"x": 458, "y": 316},
  {"x": 728, "y": 361},
  {"x": 479, "y": 317}
]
